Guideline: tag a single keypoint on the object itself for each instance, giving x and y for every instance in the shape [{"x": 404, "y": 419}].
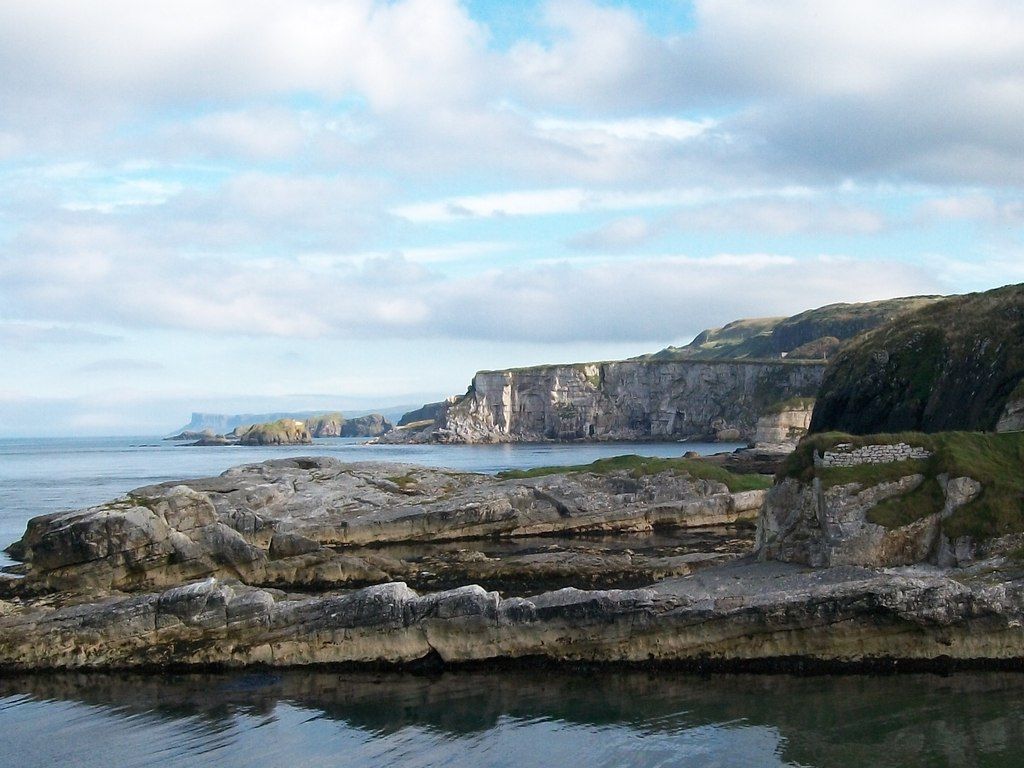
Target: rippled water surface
[
  {"x": 48, "y": 475},
  {"x": 511, "y": 718}
]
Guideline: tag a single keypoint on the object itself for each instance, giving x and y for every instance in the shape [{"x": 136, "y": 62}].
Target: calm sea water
[
  {"x": 498, "y": 718},
  {"x": 514, "y": 719}
]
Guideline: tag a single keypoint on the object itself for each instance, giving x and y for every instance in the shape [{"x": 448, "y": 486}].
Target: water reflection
[{"x": 515, "y": 718}]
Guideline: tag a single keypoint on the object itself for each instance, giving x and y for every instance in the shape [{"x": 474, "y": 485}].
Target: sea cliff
[{"x": 624, "y": 400}]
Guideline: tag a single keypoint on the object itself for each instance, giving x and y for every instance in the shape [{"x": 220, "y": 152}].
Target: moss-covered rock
[
  {"x": 964, "y": 495},
  {"x": 952, "y": 365}
]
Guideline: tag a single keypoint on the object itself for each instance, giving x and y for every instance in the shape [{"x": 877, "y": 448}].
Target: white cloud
[
  {"x": 548, "y": 202},
  {"x": 617, "y": 234},
  {"x": 634, "y": 129},
  {"x": 645, "y": 299},
  {"x": 34, "y": 333},
  {"x": 250, "y": 133},
  {"x": 168, "y": 50},
  {"x": 974, "y": 207},
  {"x": 120, "y": 366},
  {"x": 98, "y": 275},
  {"x": 109, "y": 196},
  {"x": 773, "y": 216},
  {"x": 782, "y": 218}
]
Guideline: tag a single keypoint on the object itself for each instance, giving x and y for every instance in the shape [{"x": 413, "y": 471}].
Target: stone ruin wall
[{"x": 845, "y": 455}]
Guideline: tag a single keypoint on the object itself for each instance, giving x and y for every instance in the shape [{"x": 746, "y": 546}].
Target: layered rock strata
[
  {"x": 301, "y": 521},
  {"x": 754, "y": 612},
  {"x": 627, "y": 400},
  {"x": 781, "y": 429}
]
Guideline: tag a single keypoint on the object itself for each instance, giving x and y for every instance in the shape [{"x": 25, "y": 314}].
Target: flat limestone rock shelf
[
  {"x": 734, "y": 613},
  {"x": 309, "y": 523},
  {"x": 532, "y": 564}
]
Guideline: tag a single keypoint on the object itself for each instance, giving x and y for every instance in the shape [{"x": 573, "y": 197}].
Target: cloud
[
  {"x": 32, "y": 334},
  {"x": 646, "y": 299},
  {"x": 547, "y": 202},
  {"x": 782, "y": 218},
  {"x": 121, "y": 365},
  {"x": 169, "y": 51},
  {"x": 921, "y": 89},
  {"x": 760, "y": 217},
  {"x": 256, "y": 133},
  {"x": 633, "y": 129},
  {"x": 979, "y": 208},
  {"x": 99, "y": 275}
]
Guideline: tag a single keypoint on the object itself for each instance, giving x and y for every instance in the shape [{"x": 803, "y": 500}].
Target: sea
[{"x": 562, "y": 717}]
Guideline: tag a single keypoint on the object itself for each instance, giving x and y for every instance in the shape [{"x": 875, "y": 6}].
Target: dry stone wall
[{"x": 845, "y": 455}]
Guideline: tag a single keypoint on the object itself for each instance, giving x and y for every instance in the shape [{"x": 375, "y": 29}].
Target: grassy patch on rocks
[
  {"x": 994, "y": 460},
  {"x": 639, "y": 466},
  {"x": 791, "y": 404}
]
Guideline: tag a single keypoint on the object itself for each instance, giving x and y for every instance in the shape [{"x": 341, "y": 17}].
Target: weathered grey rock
[
  {"x": 370, "y": 425},
  {"x": 828, "y": 526},
  {"x": 758, "y": 611},
  {"x": 282, "y": 522}
]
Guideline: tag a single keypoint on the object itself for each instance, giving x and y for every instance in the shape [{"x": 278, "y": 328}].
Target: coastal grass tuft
[
  {"x": 403, "y": 481},
  {"x": 993, "y": 459},
  {"x": 925, "y": 500},
  {"x": 640, "y": 466}
]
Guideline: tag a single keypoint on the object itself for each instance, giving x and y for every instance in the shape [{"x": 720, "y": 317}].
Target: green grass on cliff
[
  {"x": 994, "y": 460},
  {"x": 639, "y": 466},
  {"x": 791, "y": 404},
  {"x": 951, "y": 365}
]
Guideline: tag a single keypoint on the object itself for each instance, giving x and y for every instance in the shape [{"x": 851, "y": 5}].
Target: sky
[{"x": 236, "y": 206}]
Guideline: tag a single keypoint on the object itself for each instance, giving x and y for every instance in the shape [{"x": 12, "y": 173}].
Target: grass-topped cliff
[
  {"x": 954, "y": 364},
  {"x": 816, "y": 334},
  {"x": 994, "y": 460},
  {"x": 281, "y": 432}
]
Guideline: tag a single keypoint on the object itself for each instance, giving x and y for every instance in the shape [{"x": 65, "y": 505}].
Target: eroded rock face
[
  {"x": 758, "y": 611},
  {"x": 627, "y": 400},
  {"x": 779, "y": 432},
  {"x": 295, "y": 522},
  {"x": 824, "y": 526}
]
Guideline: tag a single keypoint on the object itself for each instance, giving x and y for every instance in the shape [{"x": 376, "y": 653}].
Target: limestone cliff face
[
  {"x": 627, "y": 400},
  {"x": 782, "y": 429}
]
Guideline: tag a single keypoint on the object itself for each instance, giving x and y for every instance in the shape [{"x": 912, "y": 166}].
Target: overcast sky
[{"x": 228, "y": 205}]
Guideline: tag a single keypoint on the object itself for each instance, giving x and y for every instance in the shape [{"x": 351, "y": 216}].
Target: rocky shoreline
[
  {"x": 739, "y": 614},
  {"x": 309, "y": 562}
]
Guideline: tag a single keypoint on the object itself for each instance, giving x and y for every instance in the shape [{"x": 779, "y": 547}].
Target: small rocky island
[{"x": 289, "y": 431}]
